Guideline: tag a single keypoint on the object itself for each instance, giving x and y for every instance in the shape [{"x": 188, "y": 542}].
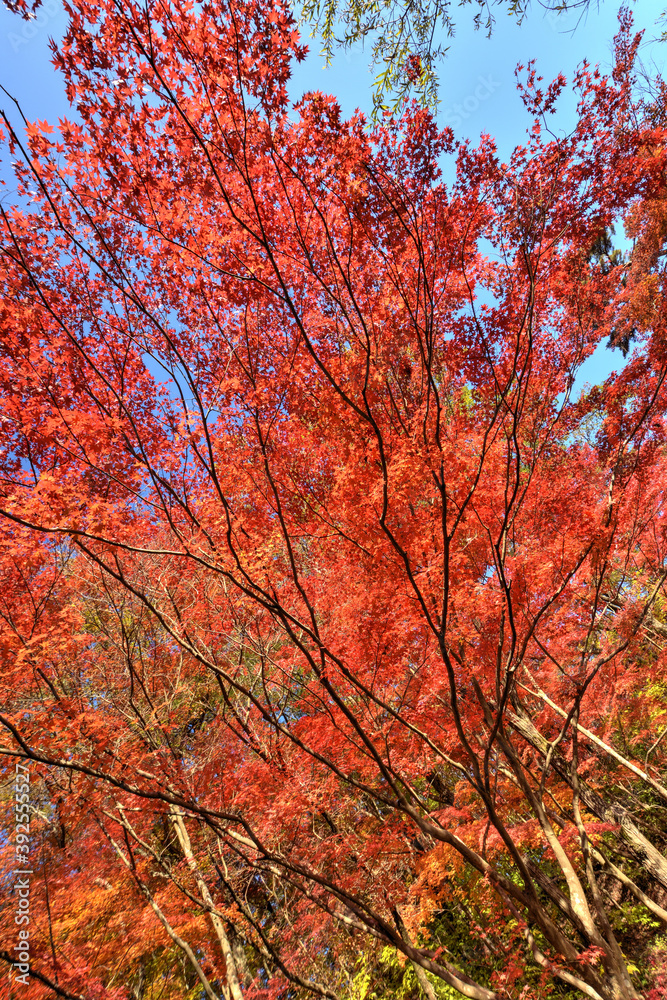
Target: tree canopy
[
  {"x": 407, "y": 39},
  {"x": 332, "y": 624}
]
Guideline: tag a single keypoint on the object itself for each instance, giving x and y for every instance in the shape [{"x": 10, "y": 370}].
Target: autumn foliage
[{"x": 332, "y": 619}]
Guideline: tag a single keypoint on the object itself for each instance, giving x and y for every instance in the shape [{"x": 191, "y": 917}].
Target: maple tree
[{"x": 332, "y": 625}]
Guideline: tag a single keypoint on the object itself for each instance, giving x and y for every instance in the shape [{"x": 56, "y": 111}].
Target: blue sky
[
  {"x": 477, "y": 76},
  {"x": 478, "y": 73},
  {"x": 477, "y": 89}
]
